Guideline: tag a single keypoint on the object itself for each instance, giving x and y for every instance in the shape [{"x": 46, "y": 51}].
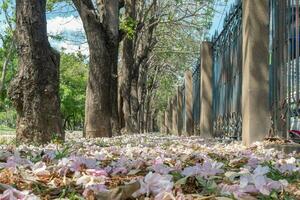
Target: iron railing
[
  {"x": 227, "y": 75},
  {"x": 284, "y": 66},
  {"x": 196, "y": 95}
]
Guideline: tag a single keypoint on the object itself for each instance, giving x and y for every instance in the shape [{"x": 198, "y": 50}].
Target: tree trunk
[
  {"x": 134, "y": 102},
  {"x": 114, "y": 98},
  {"x": 5, "y": 65},
  {"x": 34, "y": 92},
  {"x": 127, "y": 73},
  {"x": 120, "y": 101},
  {"x": 142, "y": 96},
  {"x": 101, "y": 29}
]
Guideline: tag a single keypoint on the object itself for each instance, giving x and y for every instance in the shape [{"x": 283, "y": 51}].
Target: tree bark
[
  {"x": 5, "y": 65},
  {"x": 127, "y": 72},
  {"x": 101, "y": 29},
  {"x": 35, "y": 90}
]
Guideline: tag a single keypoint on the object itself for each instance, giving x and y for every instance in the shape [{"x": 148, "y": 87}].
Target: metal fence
[
  {"x": 284, "y": 66},
  {"x": 227, "y": 75},
  {"x": 183, "y": 108},
  {"x": 196, "y": 95},
  {"x": 284, "y": 73}
]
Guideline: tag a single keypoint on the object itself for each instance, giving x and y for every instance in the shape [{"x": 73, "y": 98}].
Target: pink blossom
[
  {"x": 50, "y": 154},
  {"x": 13, "y": 194},
  {"x": 165, "y": 196},
  {"x": 158, "y": 160},
  {"x": 40, "y": 169},
  {"x": 96, "y": 188},
  {"x": 253, "y": 162},
  {"x": 96, "y": 172},
  {"x": 14, "y": 161},
  {"x": 287, "y": 165},
  {"x": 121, "y": 170},
  {"x": 75, "y": 164},
  {"x": 88, "y": 180},
  {"x": 154, "y": 183},
  {"x": 161, "y": 169},
  {"x": 191, "y": 171},
  {"x": 237, "y": 191},
  {"x": 260, "y": 181},
  {"x": 205, "y": 170}
]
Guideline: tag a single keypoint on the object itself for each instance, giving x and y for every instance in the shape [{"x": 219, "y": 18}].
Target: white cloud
[
  {"x": 67, "y": 26},
  {"x": 59, "y": 25},
  {"x": 70, "y": 47}
]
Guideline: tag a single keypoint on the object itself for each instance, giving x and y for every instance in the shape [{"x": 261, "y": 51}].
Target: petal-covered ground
[{"x": 148, "y": 166}]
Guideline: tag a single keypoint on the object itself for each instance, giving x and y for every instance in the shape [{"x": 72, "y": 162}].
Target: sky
[
  {"x": 65, "y": 22},
  {"x": 221, "y": 9}
]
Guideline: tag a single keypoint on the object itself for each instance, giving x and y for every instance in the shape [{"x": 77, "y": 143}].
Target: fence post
[
  {"x": 255, "y": 107},
  {"x": 174, "y": 113},
  {"x": 189, "y": 103},
  {"x": 206, "y": 91},
  {"x": 179, "y": 111}
]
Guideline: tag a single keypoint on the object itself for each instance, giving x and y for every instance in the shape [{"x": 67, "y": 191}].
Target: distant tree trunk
[
  {"x": 127, "y": 72},
  {"x": 142, "y": 89},
  {"x": 34, "y": 92},
  {"x": 5, "y": 65},
  {"x": 102, "y": 31},
  {"x": 136, "y": 51},
  {"x": 134, "y": 102},
  {"x": 120, "y": 101},
  {"x": 114, "y": 97}
]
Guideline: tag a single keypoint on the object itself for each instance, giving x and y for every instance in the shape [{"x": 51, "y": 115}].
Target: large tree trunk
[
  {"x": 101, "y": 29},
  {"x": 127, "y": 72},
  {"x": 34, "y": 92}
]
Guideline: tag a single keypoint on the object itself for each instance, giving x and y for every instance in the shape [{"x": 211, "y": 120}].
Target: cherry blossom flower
[
  {"x": 91, "y": 162},
  {"x": 287, "y": 165},
  {"x": 96, "y": 188},
  {"x": 121, "y": 170},
  {"x": 205, "y": 170},
  {"x": 154, "y": 183},
  {"x": 96, "y": 172},
  {"x": 161, "y": 169},
  {"x": 76, "y": 163},
  {"x": 13, "y": 194},
  {"x": 14, "y": 161},
  {"x": 40, "y": 169},
  {"x": 88, "y": 180},
  {"x": 259, "y": 179}
]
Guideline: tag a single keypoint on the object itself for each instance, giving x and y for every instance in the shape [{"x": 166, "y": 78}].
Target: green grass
[{"x": 4, "y": 130}]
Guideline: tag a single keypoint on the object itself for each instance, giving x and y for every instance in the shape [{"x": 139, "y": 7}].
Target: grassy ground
[
  {"x": 6, "y": 135},
  {"x": 6, "y": 130}
]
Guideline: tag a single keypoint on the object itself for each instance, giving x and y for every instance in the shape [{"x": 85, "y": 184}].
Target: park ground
[{"x": 152, "y": 166}]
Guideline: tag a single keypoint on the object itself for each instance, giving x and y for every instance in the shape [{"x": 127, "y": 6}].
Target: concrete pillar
[
  {"x": 206, "y": 91},
  {"x": 174, "y": 113},
  {"x": 188, "y": 76},
  {"x": 255, "y": 88},
  {"x": 179, "y": 110}
]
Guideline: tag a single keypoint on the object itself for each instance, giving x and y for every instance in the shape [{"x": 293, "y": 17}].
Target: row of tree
[{"x": 137, "y": 49}]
